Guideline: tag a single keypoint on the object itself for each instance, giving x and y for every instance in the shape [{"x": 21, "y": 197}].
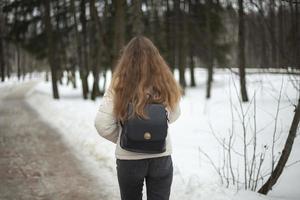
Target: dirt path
[{"x": 34, "y": 161}]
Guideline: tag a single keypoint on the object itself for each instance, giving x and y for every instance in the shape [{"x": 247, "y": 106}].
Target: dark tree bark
[
  {"x": 23, "y": 61},
  {"x": 137, "y": 21},
  {"x": 181, "y": 42},
  {"x": 5, "y": 45},
  {"x": 169, "y": 37},
  {"x": 81, "y": 46},
  {"x": 7, "y": 63},
  {"x": 176, "y": 27},
  {"x": 24, "y": 64},
  {"x": 17, "y": 46},
  {"x": 273, "y": 33},
  {"x": 280, "y": 34},
  {"x": 297, "y": 33},
  {"x": 59, "y": 42},
  {"x": 77, "y": 37},
  {"x": 264, "y": 62},
  {"x": 47, "y": 76},
  {"x": 241, "y": 52},
  {"x": 72, "y": 73},
  {"x": 2, "y": 64},
  {"x": 96, "y": 48},
  {"x": 285, "y": 153},
  {"x": 191, "y": 46},
  {"x": 2, "y": 61},
  {"x": 119, "y": 29},
  {"x": 18, "y": 51},
  {"x": 104, "y": 81},
  {"x": 84, "y": 69},
  {"x": 210, "y": 61},
  {"x": 192, "y": 71},
  {"x": 51, "y": 47}
]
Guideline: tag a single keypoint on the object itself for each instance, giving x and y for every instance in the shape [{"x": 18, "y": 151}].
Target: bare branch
[
  {"x": 275, "y": 126},
  {"x": 212, "y": 163}
]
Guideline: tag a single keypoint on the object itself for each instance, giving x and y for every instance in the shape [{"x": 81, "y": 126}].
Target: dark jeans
[{"x": 158, "y": 173}]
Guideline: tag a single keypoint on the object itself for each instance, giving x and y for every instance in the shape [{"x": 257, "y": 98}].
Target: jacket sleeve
[
  {"x": 173, "y": 115},
  {"x": 105, "y": 121}
]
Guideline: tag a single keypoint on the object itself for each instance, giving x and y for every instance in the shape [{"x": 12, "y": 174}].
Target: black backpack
[{"x": 146, "y": 135}]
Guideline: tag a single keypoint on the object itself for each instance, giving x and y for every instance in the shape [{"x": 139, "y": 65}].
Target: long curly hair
[{"x": 142, "y": 76}]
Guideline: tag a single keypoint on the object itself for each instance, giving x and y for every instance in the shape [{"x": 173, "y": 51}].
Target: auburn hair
[{"x": 142, "y": 76}]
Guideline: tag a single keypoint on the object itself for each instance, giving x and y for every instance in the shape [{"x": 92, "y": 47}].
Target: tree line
[{"x": 66, "y": 36}]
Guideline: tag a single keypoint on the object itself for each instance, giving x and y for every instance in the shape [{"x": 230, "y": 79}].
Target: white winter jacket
[{"x": 109, "y": 128}]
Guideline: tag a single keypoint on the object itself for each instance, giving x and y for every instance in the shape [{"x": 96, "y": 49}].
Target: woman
[{"x": 140, "y": 76}]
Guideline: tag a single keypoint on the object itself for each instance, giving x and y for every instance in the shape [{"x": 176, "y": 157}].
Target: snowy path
[{"x": 35, "y": 163}]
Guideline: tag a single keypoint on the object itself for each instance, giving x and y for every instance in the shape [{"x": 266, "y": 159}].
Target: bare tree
[
  {"x": 285, "y": 153},
  {"x": 169, "y": 36},
  {"x": 119, "y": 29},
  {"x": 77, "y": 36},
  {"x": 181, "y": 41},
  {"x": 136, "y": 17},
  {"x": 2, "y": 62},
  {"x": 192, "y": 70},
  {"x": 51, "y": 47},
  {"x": 241, "y": 52},
  {"x": 273, "y": 32},
  {"x": 253, "y": 159},
  {"x": 210, "y": 48},
  {"x": 191, "y": 44},
  {"x": 97, "y": 47},
  {"x": 83, "y": 42}
]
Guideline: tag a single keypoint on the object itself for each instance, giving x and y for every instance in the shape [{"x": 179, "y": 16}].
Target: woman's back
[{"x": 141, "y": 77}]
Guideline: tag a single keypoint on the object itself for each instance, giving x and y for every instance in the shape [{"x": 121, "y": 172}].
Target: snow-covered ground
[{"x": 194, "y": 175}]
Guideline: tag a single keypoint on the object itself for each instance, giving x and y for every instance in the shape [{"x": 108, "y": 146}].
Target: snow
[{"x": 194, "y": 176}]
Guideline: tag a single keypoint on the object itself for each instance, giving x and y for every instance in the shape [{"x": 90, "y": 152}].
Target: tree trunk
[
  {"x": 184, "y": 46},
  {"x": 47, "y": 76},
  {"x": 84, "y": 68},
  {"x": 119, "y": 29},
  {"x": 274, "y": 62},
  {"x": 5, "y": 46},
  {"x": 96, "y": 45},
  {"x": 264, "y": 61},
  {"x": 18, "y": 60},
  {"x": 2, "y": 65},
  {"x": 59, "y": 42},
  {"x": 285, "y": 153},
  {"x": 60, "y": 74},
  {"x": 2, "y": 62},
  {"x": 78, "y": 50},
  {"x": 8, "y": 65},
  {"x": 73, "y": 74},
  {"x": 192, "y": 71},
  {"x": 104, "y": 80},
  {"x": 280, "y": 34},
  {"x": 210, "y": 61},
  {"x": 24, "y": 63},
  {"x": 241, "y": 52},
  {"x": 297, "y": 33},
  {"x": 51, "y": 48},
  {"x": 190, "y": 39},
  {"x": 137, "y": 21},
  {"x": 181, "y": 47},
  {"x": 168, "y": 38}
]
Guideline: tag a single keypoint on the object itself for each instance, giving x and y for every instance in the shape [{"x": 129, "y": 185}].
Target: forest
[{"x": 60, "y": 36}]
